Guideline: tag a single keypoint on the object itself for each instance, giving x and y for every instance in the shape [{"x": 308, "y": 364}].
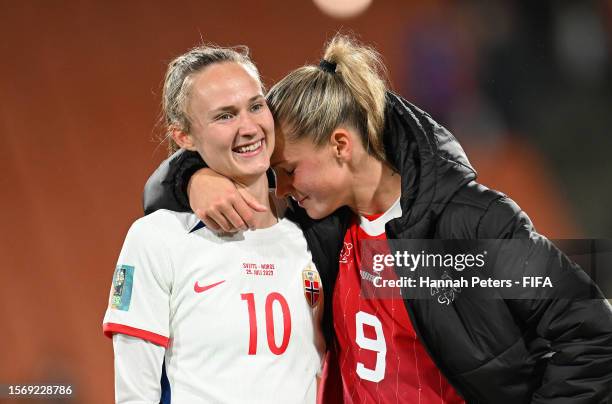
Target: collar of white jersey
[
  {"x": 280, "y": 204},
  {"x": 377, "y": 226}
]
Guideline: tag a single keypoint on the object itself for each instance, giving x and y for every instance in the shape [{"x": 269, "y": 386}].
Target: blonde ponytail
[{"x": 348, "y": 87}]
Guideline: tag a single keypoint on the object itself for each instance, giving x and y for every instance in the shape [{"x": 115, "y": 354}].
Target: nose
[
  {"x": 283, "y": 185},
  {"x": 247, "y": 125}
]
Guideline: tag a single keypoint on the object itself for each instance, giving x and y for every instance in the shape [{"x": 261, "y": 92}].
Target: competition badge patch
[
  {"x": 312, "y": 285},
  {"x": 121, "y": 292}
]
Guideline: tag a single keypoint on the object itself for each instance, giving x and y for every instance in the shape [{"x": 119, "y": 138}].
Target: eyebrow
[{"x": 232, "y": 107}]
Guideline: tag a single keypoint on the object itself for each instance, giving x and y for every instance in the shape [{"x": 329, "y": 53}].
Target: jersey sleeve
[
  {"x": 138, "y": 369},
  {"x": 139, "y": 301}
]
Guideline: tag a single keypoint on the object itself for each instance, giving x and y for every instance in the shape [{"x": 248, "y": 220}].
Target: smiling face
[
  {"x": 231, "y": 125},
  {"x": 312, "y": 175}
]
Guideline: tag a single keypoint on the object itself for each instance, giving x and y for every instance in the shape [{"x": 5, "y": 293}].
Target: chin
[
  {"x": 261, "y": 169},
  {"x": 318, "y": 213},
  {"x": 255, "y": 168},
  {"x": 252, "y": 174}
]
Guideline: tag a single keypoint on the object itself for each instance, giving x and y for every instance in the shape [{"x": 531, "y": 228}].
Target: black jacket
[{"x": 553, "y": 349}]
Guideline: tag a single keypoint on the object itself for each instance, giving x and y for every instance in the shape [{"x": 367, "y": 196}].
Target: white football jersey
[{"x": 239, "y": 315}]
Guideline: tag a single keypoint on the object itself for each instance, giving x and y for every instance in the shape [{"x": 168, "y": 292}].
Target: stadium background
[{"x": 525, "y": 86}]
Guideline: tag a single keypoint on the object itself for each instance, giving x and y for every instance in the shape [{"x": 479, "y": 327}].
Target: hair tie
[{"x": 326, "y": 66}]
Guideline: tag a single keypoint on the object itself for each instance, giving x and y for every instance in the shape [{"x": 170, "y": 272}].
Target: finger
[
  {"x": 208, "y": 221},
  {"x": 220, "y": 220},
  {"x": 251, "y": 201},
  {"x": 235, "y": 219},
  {"x": 229, "y": 215},
  {"x": 245, "y": 212}
]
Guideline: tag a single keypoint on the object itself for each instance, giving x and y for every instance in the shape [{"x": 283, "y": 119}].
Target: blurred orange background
[{"x": 81, "y": 83}]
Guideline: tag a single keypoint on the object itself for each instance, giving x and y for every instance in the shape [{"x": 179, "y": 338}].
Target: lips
[
  {"x": 249, "y": 148},
  {"x": 300, "y": 202}
]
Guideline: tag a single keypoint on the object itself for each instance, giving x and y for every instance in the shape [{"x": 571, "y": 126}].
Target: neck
[
  {"x": 259, "y": 189},
  {"x": 375, "y": 186}
]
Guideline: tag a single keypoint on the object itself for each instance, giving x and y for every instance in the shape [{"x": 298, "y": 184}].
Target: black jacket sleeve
[
  {"x": 167, "y": 186},
  {"x": 573, "y": 319}
]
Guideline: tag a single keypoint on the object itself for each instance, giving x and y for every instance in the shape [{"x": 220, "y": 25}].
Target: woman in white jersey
[
  {"x": 342, "y": 139},
  {"x": 217, "y": 317}
]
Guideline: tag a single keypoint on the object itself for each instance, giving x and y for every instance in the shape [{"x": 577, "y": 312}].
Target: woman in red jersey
[{"x": 343, "y": 140}]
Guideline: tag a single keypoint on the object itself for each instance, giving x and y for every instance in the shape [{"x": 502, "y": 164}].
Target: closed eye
[{"x": 285, "y": 171}]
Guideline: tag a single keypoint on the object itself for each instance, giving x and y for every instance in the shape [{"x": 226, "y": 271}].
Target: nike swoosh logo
[{"x": 199, "y": 289}]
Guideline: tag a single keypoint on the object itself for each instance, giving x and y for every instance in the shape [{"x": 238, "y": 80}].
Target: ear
[
  {"x": 182, "y": 139},
  {"x": 342, "y": 144}
]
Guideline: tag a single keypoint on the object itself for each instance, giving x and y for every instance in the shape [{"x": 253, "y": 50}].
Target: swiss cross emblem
[{"x": 312, "y": 286}]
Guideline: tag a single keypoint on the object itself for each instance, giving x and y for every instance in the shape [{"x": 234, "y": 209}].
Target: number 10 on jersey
[{"x": 269, "y": 307}]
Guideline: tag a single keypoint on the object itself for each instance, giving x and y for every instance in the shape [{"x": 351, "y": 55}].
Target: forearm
[
  {"x": 575, "y": 321},
  {"x": 580, "y": 368}
]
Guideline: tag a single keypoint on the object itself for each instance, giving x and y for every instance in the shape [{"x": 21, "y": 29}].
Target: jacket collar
[{"x": 431, "y": 162}]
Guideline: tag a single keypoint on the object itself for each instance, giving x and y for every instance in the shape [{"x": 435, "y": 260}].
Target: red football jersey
[{"x": 381, "y": 357}]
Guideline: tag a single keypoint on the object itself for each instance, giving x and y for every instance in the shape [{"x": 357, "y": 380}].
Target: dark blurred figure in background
[{"x": 527, "y": 86}]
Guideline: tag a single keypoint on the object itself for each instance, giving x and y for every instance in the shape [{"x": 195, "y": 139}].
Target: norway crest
[{"x": 312, "y": 285}]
